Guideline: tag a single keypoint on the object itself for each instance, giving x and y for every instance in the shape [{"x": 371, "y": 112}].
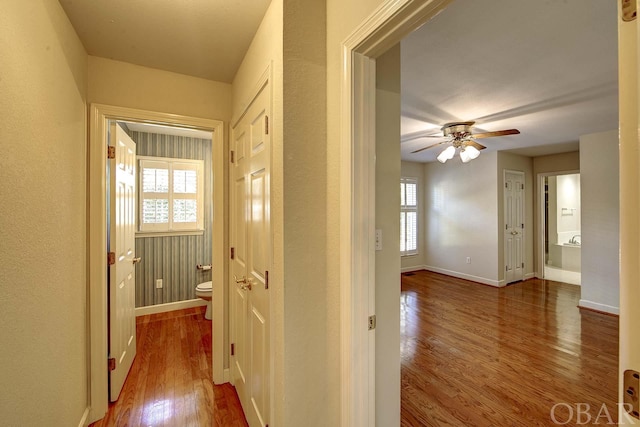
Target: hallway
[{"x": 170, "y": 381}]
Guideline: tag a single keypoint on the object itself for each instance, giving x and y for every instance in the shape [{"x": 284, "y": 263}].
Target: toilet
[{"x": 203, "y": 290}]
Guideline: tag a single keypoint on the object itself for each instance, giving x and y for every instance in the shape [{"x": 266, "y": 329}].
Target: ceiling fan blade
[
  {"x": 496, "y": 133},
  {"x": 429, "y": 146},
  {"x": 475, "y": 144}
]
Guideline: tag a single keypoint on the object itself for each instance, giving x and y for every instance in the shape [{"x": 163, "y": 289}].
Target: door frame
[
  {"x": 541, "y": 225},
  {"x": 100, "y": 114},
  {"x": 385, "y": 27}
]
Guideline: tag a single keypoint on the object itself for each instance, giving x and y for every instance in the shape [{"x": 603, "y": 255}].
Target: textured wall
[
  {"x": 173, "y": 258},
  {"x": 43, "y": 78}
]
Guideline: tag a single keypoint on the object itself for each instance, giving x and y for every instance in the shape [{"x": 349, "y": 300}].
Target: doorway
[
  {"x": 561, "y": 239},
  {"x": 100, "y": 116}
]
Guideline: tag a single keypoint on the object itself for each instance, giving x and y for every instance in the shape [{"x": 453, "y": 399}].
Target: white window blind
[
  {"x": 170, "y": 194},
  {"x": 408, "y": 216}
]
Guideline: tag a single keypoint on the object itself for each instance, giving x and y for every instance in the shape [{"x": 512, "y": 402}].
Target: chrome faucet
[{"x": 573, "y": 240}]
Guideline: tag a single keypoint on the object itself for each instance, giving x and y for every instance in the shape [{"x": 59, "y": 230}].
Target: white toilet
[{"x": 204, "y": 290}]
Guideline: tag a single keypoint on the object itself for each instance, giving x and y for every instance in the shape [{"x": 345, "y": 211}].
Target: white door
[
  {"x": 122, "y": 283},
  {"x": 251, "y": 246},
  {"x": 514, "y": 226}
]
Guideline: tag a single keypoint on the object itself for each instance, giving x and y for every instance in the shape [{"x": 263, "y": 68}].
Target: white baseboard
[
  {"x": 84, "y": 421},
  {"x": 226, "y": 376},
  {"x": 528, "y": 276},
  {"x": 459, "y": 275},
  {"x": 413, "y": 268},
  {"x": 170, "y": 306},
  {"x": 599, "y": 307}
]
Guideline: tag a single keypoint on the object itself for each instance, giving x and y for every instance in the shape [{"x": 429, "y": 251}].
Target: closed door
[
  {"x": 251, "y": 257},
  {"x": 122, "y": 283},
  {"x": 514, "y": 226}
]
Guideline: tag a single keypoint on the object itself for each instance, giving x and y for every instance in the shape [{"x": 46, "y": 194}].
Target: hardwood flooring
[
  {"x": 474, "y": 355},
  {"x": 170, "y": 382}
]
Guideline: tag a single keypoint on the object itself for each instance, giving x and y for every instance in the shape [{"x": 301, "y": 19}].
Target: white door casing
[
  {"x": 251, "y": 243},
  {"x": 629, "y": 117},
  {"x": 122, "y": 283},
  {"x": 514, "y": 226}
]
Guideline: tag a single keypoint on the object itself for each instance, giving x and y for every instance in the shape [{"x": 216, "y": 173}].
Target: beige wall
[
  {"x": 43, "y": 78},
  {"x": 508, "y": 161},
  {"x": 126, "y": 85},
  {"x": 461, "y": 208},
  {"x": 416, "y": 262},
  {"x": 600, "y": 221},
  {"x": 387, "y": 260}
]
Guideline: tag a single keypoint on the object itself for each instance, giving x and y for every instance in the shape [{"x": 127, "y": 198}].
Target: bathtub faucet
[{"x": 574, "y": 241}]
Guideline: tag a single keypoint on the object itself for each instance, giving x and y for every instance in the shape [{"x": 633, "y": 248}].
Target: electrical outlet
[
  {"x": 158, "y": 283},
  {"x": 378, "y": 240},
  {"x": 468, "y": 260}
]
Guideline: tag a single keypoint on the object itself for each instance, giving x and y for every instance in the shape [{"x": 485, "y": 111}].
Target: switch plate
[
  {"x": 378, "y": 240},
  {"x": 468, "y": 260},
  {"x": 158, "y": 283}
]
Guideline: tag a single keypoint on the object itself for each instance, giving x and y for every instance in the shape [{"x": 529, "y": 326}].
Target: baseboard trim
[
  {"x": 478, "y": 279},
  {"x": 226, "y": 376},
  {"x": 528, "y": 276},
  {"x": 413, "y": 268},
  {"x": 595, "y": 306},
  {"x": 170, "y": 306},
  {"x": 84, "y": 421}
]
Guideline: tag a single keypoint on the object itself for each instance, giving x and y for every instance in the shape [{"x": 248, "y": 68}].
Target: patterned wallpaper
[{"x": 173, "y": 259}]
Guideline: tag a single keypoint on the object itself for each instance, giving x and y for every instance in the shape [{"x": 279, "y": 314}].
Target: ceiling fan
[{"x": 460, "y": 137}]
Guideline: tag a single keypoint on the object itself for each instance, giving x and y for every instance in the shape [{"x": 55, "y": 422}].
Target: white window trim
[
  {"x": 171, "y": 228},
  {"x": 404, "y": 209}
]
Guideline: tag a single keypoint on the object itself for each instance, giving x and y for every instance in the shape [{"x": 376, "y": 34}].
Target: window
[
  {"x": 171, "y": 194},
  {"x": 408, "y": 216}
]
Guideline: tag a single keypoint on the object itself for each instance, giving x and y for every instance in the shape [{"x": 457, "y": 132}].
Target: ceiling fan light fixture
[
  {"x": 469, "y": 153},
  {"x": 447, "y": 154}
]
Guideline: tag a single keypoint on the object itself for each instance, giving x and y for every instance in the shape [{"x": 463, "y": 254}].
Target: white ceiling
[
  {"x": 201, "y": 38},
  {"x": 545, "y": 67}
]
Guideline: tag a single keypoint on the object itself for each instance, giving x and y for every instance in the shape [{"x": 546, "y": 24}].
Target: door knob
[
  {"x": 137, "y": 260},
  {"x": 514, "y": 233},
  {"x": 242, "y": 280},
  {"x": 246, "y": 287}
]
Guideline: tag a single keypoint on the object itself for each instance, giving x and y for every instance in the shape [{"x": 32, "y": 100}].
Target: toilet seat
[{"x": 204, "y": 287}]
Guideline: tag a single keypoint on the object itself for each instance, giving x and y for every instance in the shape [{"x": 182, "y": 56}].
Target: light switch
[{"x": 378, "y": 240}]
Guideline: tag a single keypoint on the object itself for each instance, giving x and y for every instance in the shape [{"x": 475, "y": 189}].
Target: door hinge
[
  {"x": 372, "y": 322},
  {"x": 111, "y": 258},
  {"x": 523, "y": 265},
  {"x": 266, "y": 279},
  {"x": 522, "y": 186},
  {"x": 506, "y": 226},
  {"x": 506, "y": 268},
  {"x": 112, "y": 363},
  {"x": 522, "y": 226},
  {"x": 232, "y": 156},
  {"x": 266, "y": 125},
  {"x": 506, "y": 185},
  {"x": 233, "y": 349},
  {"x": 111, "y": 152},
  {"x": 233, "y": 253}
]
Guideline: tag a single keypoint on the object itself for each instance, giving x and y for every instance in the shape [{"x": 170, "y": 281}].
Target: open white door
[
  {"x": 514, "y": 226},
  {"x": 122, "y": 279},
  {"x": 251, "y": 246}
]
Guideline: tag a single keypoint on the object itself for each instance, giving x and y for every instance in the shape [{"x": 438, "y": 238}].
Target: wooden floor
[
  {"x": 475, "y": 355},
  {"x": 170, "y": 382}
]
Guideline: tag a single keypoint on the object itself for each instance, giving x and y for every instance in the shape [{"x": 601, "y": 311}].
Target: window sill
[
  {"x": 408, "y": 255},
  {"x": 142, "y": 234}
]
